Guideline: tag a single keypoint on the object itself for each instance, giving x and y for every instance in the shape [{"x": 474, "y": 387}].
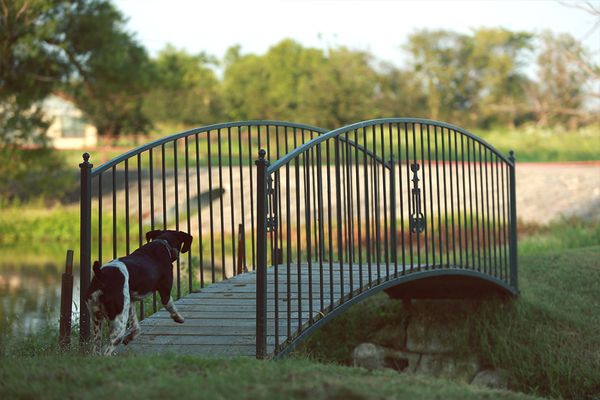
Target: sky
[{"x": 377, "y": 26}]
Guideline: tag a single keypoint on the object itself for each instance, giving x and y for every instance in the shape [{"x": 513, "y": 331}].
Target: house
[{"x": 68, "y": 128}]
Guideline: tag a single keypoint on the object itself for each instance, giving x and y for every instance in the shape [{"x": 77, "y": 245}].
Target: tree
[
  {"x": 466, "y": 76},
  {"x": 79, "y": 47},
  {"x": 185, "y": 90},
  {"x": 111, "y": 70},
  {"x": 564, "y": 87},
  {"x": 29, "y": 68}
]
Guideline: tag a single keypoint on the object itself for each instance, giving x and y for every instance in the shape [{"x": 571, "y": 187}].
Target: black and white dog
[{"x": 119, "y": 282}]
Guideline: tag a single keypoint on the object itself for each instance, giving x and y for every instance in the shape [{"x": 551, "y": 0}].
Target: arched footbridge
[{"x": 293, "y": 224}]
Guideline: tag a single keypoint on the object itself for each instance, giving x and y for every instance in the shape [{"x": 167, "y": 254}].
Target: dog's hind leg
[{"x": 134, "y": 330}]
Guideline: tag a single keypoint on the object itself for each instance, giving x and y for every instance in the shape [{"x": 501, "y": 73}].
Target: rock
[
  {"x": 445, "y": 366},
  {"x": 495, "y": 379},
  {"x": 373, "y": 357},
  {"x": 369, "y": 356},
  {"x": 427, "y": 336}
]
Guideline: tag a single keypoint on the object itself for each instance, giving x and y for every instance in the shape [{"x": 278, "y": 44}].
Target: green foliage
[
  {"x": 29, "y": 68},
  {"x": 112, "y": 71},
  {"x": 185, "y": 89},
  {"x": 33, "y": 174}
]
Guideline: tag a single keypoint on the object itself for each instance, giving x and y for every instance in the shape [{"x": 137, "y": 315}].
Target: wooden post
[{"x": 66, "y": 302}]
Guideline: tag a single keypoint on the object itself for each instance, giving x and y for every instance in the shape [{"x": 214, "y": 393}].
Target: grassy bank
[
  {"x": 53, "y": 377},
  {"x": 548, "y": 339}
]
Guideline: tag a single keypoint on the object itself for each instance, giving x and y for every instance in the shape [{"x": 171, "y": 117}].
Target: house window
[{"x": 73, "y": 127}]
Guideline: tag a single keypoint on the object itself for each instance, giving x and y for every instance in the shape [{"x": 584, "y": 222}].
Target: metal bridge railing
[
  {"x": 370, "y": 203},
  {"x": 200, "y": 181}
]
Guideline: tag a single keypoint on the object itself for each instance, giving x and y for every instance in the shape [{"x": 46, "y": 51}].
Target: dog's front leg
[
  {"x": 117, "y": 330},
  {"x": 170, "y": 307},
  {"x": 97, "y": 333},
  {"x": 135, "y": 326}
]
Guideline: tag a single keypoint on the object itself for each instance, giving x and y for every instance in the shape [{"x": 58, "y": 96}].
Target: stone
[
  {"x": 492, "y": 378},
  {"x": 373, "y": 357},
  {"x": 369, "y": 356},
  {"x": 445, "y": 366},
  {"x": 427, "y": 336}
]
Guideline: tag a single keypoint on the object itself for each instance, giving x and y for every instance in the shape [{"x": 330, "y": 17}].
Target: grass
[
  {"x": 548, "y": 339},
  {"x": 76, "y": 376}
]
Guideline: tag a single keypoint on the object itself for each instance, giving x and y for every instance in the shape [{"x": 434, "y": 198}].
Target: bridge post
[
  {"x": 85, "y": 245},
  {"x": 261, "y": 254},
  {"x": 393, "y": 229},
  {"x": 514, "y": 281}
]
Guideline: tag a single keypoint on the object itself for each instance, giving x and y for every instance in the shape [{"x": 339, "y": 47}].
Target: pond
[{"x": 30, "y": 287}]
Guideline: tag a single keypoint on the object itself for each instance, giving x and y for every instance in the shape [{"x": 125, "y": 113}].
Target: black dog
[{"x": 120, "y": 282}]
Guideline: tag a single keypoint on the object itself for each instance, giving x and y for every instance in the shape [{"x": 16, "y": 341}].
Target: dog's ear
[
  {"x": 96, "y": 269},
  {"x": 153, "y": 235},
  {"x": 186, "y": 239}
]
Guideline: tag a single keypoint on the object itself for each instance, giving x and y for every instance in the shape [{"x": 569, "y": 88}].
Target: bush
[{"x": 29, "y": 174}]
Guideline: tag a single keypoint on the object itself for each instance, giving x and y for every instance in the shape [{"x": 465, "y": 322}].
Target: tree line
[{"x": 82, "y": 50}]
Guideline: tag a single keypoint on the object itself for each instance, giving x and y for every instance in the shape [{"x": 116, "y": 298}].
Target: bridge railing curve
[
  {"x": 373, "y": 202},
  {"x": 200, "y": 181}
]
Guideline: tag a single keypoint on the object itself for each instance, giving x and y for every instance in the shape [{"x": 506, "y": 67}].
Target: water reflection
[{"x": 30, "y": 295}]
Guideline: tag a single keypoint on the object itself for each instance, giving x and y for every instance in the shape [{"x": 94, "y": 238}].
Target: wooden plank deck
[{"x": 220, "y": 320}]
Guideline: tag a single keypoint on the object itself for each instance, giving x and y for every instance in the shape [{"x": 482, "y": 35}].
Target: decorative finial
[
  {"x": 86, "y": 157},
  {"x": 511, "y": 156},
  {"x": 262, "y": 153},
  {"x": 414, "y": 167}
]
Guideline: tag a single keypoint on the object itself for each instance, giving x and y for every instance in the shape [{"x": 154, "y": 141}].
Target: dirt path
[{"x": 549, "y": 191}]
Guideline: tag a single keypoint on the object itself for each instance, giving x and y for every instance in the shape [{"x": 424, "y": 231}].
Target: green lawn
[
  {"x": 170, "y": 377},
  {"x": 548, "y": 338}
]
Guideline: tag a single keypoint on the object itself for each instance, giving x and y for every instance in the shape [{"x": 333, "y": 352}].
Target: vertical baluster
[
  {"x": 222, "y": 213},
  {"x": 320, "y": 222},
  {"x": 242, "y": 197},
  {"x": 385, "y": 208},
  {"x": 439, "y": 197},
  {"x": 288, "y": 239},
  {"x": 424, "y": 195},
  {"x": 338, "y": 205},
  {"x": 349, "y": 210},
  {"x": 471, "y": 215},
  {"x": 493, "y": 214},
  {"x": 358, "y": 208},
  {"x": 210, "y": 209},
  {"x": 411, "y": 206},
  {"x": 401, "y": 199},
  {"x": 418, "y": 199},
  {"x": 100, "y": 218},
  {"x": 199, "y": 203},
  {"x": 307, "y": 176},
  {"x": 231, "y": 203},
  {"x": 450, "y": 164},
  {"x": 367, "y": 208},
  {"x": 151, "y": 155},
  {"x": 140, "y": 216},
  {"x": 176, "y": 177},
  {"x": 114, "y": 210},
  {"x": 464, "y": 204},
  {"x": 188, "y": 211},
  {"x": 127, "y": 207},
  {"x": 458, "y": 204},
  {"x": 504, "y": 213},
  {"x": 298, "y": 235},
  {"x": 431, "y": 214},
  {"x": 483, "y": 216},
  {"x": 487, "y": 211},
  {"x": 252, "y": 192},
  {"x": 329, "y": 224}
]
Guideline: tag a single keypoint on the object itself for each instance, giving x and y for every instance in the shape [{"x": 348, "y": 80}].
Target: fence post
[
  {"x": 85, "y": 245},
  {"x": 66, "y": 302},
  {"x": 393, "y": 229},
  {"x": 261, "y": 254},
  {"x": 514, "y": 281}
]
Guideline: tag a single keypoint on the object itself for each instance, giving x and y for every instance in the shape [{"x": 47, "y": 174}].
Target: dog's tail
[{"x": 96, "y": 268}]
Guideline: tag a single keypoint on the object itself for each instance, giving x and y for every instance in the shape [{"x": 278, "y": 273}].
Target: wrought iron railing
[
  {"x": 200, "y": 181},
  {"x": 367, "y": 205}
]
